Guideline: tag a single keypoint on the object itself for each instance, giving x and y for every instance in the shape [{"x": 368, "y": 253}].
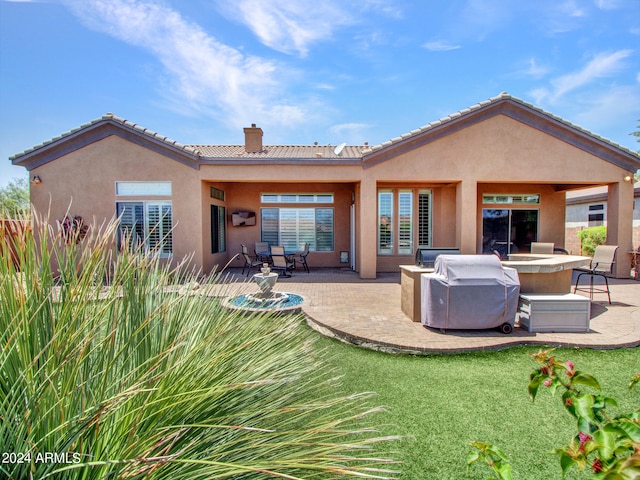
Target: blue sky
[{"x": 330, "y": 71}]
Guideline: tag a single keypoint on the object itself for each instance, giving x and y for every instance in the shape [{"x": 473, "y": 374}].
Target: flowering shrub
[
  {"x": 609, "y": 446},
  {"x": 74, "y": 229}
]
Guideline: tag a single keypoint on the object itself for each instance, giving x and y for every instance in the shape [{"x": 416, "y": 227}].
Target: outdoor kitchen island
[{"x": 538, "y": 273}]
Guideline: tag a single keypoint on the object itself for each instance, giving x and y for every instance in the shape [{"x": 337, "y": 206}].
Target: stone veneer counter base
[{"x": 545, "y": 273}]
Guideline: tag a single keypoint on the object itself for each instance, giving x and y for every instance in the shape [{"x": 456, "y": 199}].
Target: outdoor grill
[{"x": 426, "y": 257}]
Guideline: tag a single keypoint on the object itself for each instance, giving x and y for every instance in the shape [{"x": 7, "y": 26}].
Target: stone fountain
[
  {"x": 266, "y": 280},
  {"x": 266, "y": 299}
]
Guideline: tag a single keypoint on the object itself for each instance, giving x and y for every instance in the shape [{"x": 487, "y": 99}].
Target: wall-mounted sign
[{"x": 243, "y": 219}]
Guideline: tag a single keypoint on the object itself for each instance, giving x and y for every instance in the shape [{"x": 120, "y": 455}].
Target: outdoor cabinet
[{"x": 554, "y": 313}]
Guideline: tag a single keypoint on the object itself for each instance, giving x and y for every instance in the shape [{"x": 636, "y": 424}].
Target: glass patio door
[{"x": 508, "y": 230}]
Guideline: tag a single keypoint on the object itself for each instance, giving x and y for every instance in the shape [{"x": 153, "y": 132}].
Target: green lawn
[{"x": 444, "y": 402}]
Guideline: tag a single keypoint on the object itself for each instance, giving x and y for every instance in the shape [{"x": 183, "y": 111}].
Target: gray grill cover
[{"x": 469, "y": 292}]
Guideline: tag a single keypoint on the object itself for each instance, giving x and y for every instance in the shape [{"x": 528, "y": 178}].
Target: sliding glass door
[{"x": 508, "y": 231}]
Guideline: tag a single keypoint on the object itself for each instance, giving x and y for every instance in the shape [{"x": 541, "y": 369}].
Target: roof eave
[
  {"x": 97, "y": 130},
  {"x": 517, "y": 110},
  {"x": 281, "y": 161}
]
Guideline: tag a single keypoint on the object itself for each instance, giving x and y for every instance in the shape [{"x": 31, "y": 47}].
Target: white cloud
[
  {"x": 204, "y": 75},
  {"x": 539, "y": 95},
  {"x": 488, "y": 15},
  {"x": 352, "y": 133},
  {"x": 601, "y": 66},
  {"x": 607, "y": 4},
  {"x": 440, "y": 46},
  {"x": 293, "y": 27},
  {"x": 324, "y": 86},
  {"x": 563, "y": 16},
  {"x": 289, "y": 26},
  {"x": 610, "y": 113},
  {"x": 531, "y": 68}
]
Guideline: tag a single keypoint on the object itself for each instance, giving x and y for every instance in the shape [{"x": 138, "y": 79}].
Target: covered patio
[{"x": 367, "y": 313}]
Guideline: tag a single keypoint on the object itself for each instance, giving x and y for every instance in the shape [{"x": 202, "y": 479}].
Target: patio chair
[
  {"x": 280, "y": 262},
  {"x": 604, "y": 258},
  {"x": 249, "y": 261},
  {"x": 541, "y": 247},
  {"x": 303, "y": 257},
  {"x": 261, "y": 251},
  {"x": 244, "y": 249}
]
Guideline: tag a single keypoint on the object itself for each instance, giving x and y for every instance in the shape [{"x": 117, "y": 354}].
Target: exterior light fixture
[
  {"x": 627, "y": 178},
  {"x": 36, "y": 180}
]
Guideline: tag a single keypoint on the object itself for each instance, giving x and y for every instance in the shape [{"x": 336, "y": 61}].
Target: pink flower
[
  {"x": 572, "y": 367},
  {"x": 584, "y": 438},
  {"x": 547, "y": 382},
  {"x": 597, "y": 466}
]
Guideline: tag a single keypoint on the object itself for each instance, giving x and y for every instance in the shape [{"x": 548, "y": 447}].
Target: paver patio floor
[{"x": 367, "y": 313}]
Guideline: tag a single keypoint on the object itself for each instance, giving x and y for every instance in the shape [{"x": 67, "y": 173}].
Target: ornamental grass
[{"x": 109, "y": 370}]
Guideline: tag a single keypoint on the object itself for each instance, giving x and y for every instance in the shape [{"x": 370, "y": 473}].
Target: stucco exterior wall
[
  {"x": 498, "y": 149},
  {"x": 246, "y": 197},
  {"x": 498, "y": 155},
  {"x": 83, "y": 183},
  {"x": 517, "y": 151}
]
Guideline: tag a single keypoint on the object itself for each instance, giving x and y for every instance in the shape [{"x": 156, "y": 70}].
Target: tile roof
[
  {"x": 279, "y": 151},
  {"x": 110, "y": 117},
  {"x": 317, "y": 152},
  {"x": 469, "y": 110}
]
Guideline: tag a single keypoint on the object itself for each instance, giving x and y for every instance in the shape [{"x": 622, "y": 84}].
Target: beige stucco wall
[
  {"x": 497, "y": 155},
  {"x": 246, "y": 197},
  {"x": 498, "y": 149},
  {"x": 83, "y": 182}
]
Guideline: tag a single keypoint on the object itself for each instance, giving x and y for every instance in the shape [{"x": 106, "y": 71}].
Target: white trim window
[
  {"x": 143, "y": 189},
  {"x": 296, "y": 198},
  {"x": 146, "y": 225},
  {"x": 511, "y": 199},
  {"x": 405, "y": 222},
  {"x": 404, "y": 219},
  {"x": 385, "y": 222},
  {"x": 293, "y": 227}
]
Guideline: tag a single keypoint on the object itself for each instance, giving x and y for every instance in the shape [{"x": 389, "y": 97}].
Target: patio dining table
[{"x": 287, "y": 253}]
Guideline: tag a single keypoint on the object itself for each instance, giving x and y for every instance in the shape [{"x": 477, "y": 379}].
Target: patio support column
[
  {"x": 368, "y": 250},
  {"x": 467, "y": 216},
  {"x": 620, "y": 225}
]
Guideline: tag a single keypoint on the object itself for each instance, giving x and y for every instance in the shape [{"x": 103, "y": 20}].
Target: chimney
[{"x": 253, "y": 139}]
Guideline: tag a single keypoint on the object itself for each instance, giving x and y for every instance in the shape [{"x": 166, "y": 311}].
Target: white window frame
[
  {"x": 289, "y": 233},
  {"x": 296, "y": 197},
  {"x": 429, "y": 216},
  {"x": 511, "y": 199},
  {"x": 405, "y": 217},
  {"x": 166, "y": 237},
  {"x": 386, "y": 200},
  {"x": 143, "y": 189}
]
